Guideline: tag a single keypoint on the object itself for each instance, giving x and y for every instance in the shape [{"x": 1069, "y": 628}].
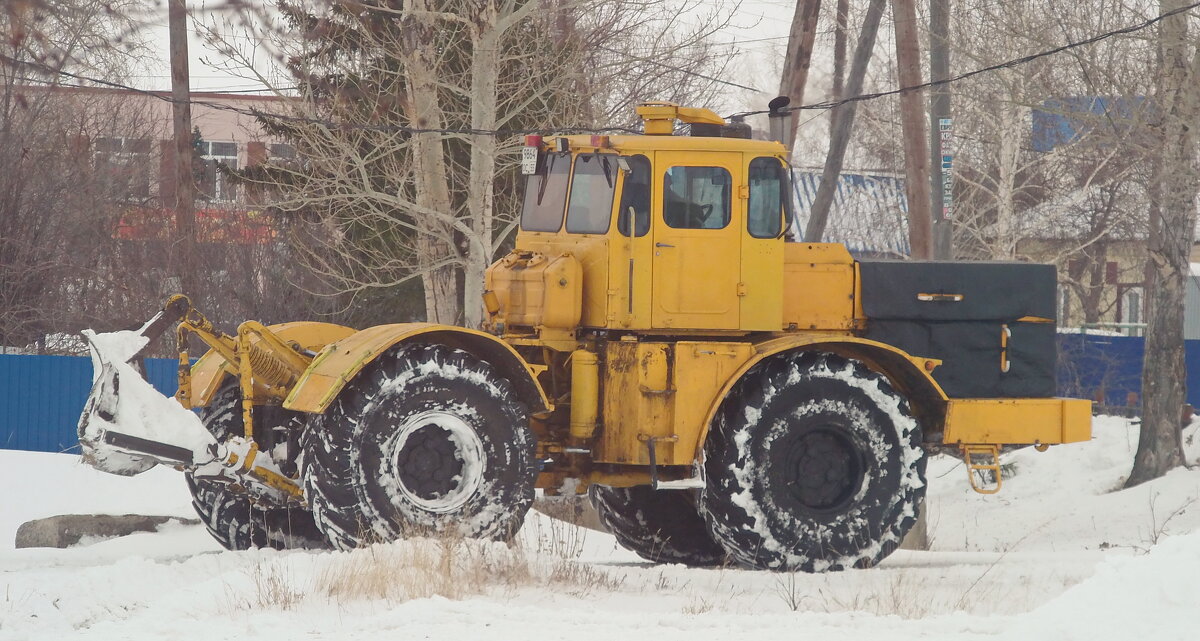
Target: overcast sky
[{"x": 761, "y": 25}]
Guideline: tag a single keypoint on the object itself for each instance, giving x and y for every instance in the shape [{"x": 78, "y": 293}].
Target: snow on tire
[
  {"x": 236, "y": 522},
  {"x": 425, "y": 440},
  {"x": 662, "y": 526},
  {"x": 813, "y": 463}
]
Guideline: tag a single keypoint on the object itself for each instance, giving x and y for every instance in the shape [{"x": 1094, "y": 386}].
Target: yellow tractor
[{"x": 654, "y": 339}]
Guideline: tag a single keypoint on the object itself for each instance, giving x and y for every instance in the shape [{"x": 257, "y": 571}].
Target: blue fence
[
  {"x": 41, "y": 398},
  {"x": 1108, "y": 369}
]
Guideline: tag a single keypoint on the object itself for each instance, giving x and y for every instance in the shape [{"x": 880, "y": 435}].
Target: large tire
[
  {"x": 236, "y": 522},
  {"x": 814, "y": 464},
  {"x": 426, "y": 440},
  {"x": 662, "y": 526}
]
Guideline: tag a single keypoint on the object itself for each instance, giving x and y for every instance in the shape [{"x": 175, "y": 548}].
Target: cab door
[
  {"x": 697, "y": 233},
  {"x": 767, "y": 210}
]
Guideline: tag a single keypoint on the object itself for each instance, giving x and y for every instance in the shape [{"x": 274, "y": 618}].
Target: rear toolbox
[{"x": 992, "y": 324}]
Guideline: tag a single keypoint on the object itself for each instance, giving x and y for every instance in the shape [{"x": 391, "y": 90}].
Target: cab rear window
[{"x": 769, "y": 198}]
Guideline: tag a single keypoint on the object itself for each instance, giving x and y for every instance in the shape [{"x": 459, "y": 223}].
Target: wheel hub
[
  {"x": 827, "y": 469},
  {"x": 438, "y": 461}
]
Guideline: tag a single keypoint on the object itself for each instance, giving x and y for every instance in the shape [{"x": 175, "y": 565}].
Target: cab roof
[{"x": 636, "y": 144}]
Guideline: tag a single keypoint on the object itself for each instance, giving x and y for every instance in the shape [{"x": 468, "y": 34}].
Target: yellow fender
[
  {"x": 910, "y": 375},
  {"x": 342, "y": 360},
  {"x": 209, "y": 372}
]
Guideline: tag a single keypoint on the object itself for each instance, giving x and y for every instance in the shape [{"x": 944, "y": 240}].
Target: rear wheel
[
  {"x": 425, "y": 440},
  {"x": 232, "y": 518},
  {"x": 814, "y": 464},
  {"x": 662, "y": 526}
]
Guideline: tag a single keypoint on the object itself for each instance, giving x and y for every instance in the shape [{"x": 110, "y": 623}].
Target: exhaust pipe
[{"x": 779, "y": 121}]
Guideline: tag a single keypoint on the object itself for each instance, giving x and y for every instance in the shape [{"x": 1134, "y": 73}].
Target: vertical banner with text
[{"x": 946, "y": 143}]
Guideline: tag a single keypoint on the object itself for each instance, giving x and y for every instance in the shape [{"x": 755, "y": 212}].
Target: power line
[
  {"x": 317, "y": 121},
  {"x": 514, "y": 132},
  {"x": 1016, "y": 62}
]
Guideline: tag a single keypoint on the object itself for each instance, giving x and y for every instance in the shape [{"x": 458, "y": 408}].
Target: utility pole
[
  {"x": 912, "y": 123},
  {"x": 941, "y": 132},
  {"x": 184, "y": 243},
  {"x": 799, "y": 53}
]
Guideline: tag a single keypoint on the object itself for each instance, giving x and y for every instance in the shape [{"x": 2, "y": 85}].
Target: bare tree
[
  {"x": 1172, "y": 234},
  {"x": 58, "y": 207},
  {"x": 403, "y": 119}
]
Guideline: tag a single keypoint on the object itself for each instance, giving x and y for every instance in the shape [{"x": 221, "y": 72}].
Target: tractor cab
[{"x": 650, "y": 232}]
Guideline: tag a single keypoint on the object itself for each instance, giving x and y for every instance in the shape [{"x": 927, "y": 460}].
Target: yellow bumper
[{"x": 1017, "y": 421}]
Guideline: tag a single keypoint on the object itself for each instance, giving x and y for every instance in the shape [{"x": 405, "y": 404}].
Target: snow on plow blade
[{"x": 127, "y": 426}]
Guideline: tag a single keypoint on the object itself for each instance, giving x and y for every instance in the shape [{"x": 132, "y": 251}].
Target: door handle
[{"x": 662, "y": 245}]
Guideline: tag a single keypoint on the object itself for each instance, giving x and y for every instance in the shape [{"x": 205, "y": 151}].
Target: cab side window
[
  {"x": 768, "y": 197},
  {"x": 696, "y": 197},
  {"x": 635, "y": 197}
]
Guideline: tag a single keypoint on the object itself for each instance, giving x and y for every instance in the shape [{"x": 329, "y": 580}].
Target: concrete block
[{"x": 68, "y": 529}]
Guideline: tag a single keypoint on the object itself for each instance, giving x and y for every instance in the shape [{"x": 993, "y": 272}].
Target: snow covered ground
[{"x": 1062, "y": 553}]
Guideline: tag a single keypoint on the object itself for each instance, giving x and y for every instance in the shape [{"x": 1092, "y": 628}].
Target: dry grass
[
  {"x": 789, "y": 589},
  {"x": 582, "y": 579},
  {"x": 554, "y": 537},
  {"x": 903, "y": 594},
  {"x": 445, "y": 566},
  {"x": 274, "y": 587},
  {"x": 697, "y": 605},
  {"x": 421, "y": 568},
  {"x": 1159, "y": 528}
]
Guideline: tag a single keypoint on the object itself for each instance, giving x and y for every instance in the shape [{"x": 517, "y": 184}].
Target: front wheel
[
  {"x": 814, "y": 464},
  {"x": 425, "y": 440},
  {"x": 235, "y": 520}
]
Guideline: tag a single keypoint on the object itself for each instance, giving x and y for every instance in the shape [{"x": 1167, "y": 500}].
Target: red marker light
[{"x": 533, "y": 141}]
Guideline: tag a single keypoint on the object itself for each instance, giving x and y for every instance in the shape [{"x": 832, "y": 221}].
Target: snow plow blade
[{"x": 127, "y": 426}]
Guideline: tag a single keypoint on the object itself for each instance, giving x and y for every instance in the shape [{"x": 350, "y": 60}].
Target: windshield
[
  {"x": 590, "y": 207},
  {"x": 546, "y": 194}
]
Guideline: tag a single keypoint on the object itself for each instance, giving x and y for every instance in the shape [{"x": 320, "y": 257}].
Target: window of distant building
[
  {"x": 1130, "y": 311},
  {"x": 213, "y": 184},
  {"x": 282, "y": 150},
  {"x": 124, "y": 165}
]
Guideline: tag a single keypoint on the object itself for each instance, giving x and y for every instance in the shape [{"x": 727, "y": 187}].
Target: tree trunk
[
  {"x": 843, "y": 117},
  {"x": 1006, "y": 205},
  {"x": 912, "y": 128},
  {"x": 436, "y": 254},
  {"x": 1163, "y": 374},
  {"x": 484, "y": 147}
]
